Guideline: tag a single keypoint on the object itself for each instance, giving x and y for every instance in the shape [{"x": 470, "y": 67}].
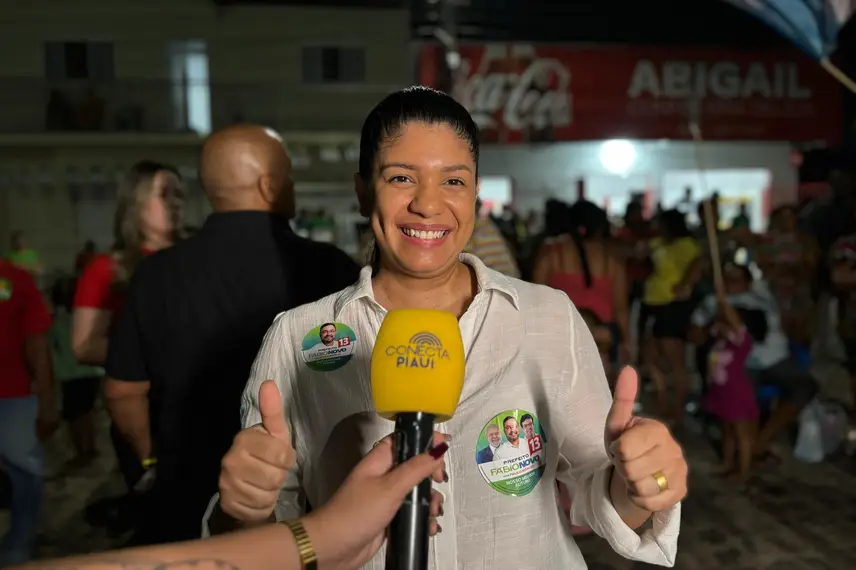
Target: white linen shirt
[{"x": 527, "y": 348}]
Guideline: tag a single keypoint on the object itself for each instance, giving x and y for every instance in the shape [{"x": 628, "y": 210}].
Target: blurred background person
[
  {"x": 80, "y": 383},
  {"x": 488, "y": 244},
  {"x": 148, "y": 217},
  {"x": 27, "y": 407},
  {"x": 23, "y": 256},
  {"x": 771, "y": 364},
  {"x": 731, "y": 395},
  {"x": 633, "y": 238},
  {"x": 842, "y": 264},
  {"x": 668, "y": 308},
  {"x": 194, "y": 319},
  {"x": 584, "y": 263},
  {"x": 788, "y": 260}
]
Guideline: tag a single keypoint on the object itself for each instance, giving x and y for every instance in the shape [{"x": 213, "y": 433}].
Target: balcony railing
[{"x": 161, "y": 106}]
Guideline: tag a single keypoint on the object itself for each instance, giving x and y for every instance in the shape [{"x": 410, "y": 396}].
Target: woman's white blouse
[{"x": 527, "y": 352}]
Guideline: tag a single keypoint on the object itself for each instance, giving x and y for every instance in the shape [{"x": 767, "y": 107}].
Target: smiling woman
[
  {"x": 420, "y": 192},
  {"x": 535, "y": 405}
]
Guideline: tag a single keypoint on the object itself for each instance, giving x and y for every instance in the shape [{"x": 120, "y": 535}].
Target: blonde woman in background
[{"x": 149, "y": 217}]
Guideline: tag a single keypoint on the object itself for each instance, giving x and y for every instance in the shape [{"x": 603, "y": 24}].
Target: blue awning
[{"x": 812, "y": 25}]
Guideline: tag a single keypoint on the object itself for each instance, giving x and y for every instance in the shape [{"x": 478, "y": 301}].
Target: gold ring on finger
[{"x": 662, "y": 482}]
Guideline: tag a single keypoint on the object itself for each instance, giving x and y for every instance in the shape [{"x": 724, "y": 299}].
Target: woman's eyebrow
[{"x": 405, "y": 166}]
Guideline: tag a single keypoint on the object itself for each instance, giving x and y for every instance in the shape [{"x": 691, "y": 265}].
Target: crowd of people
[
  {"x": 773, "y": 286},
  {"x": 659, "y": 268},
  {"x": 175, "y": 332}
]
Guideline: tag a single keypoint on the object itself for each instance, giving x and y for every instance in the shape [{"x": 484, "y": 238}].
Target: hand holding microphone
[
  {"x": 417, "y": 376},
  {"x": 255, "y": 467},
  {"x": 441, "y": 441}
]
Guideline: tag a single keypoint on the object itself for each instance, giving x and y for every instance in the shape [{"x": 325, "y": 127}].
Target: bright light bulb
[{"x": 618, "y": 156}]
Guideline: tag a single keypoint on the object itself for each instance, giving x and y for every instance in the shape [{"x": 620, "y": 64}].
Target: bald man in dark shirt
[{"x": 195, "y": 316}]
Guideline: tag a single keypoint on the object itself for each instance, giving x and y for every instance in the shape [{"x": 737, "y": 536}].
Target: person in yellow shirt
[{"x": 668, "y": 305}]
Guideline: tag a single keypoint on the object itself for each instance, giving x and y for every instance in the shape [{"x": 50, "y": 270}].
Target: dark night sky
[
  {"x": 697, "y": 22},
  {"x": 624, "y": 21}
]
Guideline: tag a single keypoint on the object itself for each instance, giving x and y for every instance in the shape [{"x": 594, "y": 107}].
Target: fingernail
[
  {"x": 445, "y": 477},
  {"x": 447, "y": 436},
  {"x": 439, "y": 451}
]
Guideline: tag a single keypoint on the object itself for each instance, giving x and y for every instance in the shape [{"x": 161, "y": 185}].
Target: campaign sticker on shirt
[
  {"x": 511, "y": 452},
  {"x": 329, "y": 346},
  {"x": 5, "y": 289}
]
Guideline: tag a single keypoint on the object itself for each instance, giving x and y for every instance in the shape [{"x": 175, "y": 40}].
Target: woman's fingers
[
  {"x": 437, "y": 500},
  {"x": 410, "y": 473},
  {"x": 440, "y": 475},
  {"x": 436, "y": 511},
  {"x": 434, "y": 528}
]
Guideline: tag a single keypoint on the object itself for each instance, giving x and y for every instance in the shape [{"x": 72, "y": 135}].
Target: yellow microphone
[{"x": 417, "y": 377}]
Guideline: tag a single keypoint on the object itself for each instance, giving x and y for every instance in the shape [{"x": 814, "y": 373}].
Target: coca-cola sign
[
  {"x": 521, "y": 93},
  {"x": 539, "y": 96}
]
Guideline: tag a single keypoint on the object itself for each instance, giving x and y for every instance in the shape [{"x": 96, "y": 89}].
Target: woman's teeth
[{"x": 422, "y": 234}]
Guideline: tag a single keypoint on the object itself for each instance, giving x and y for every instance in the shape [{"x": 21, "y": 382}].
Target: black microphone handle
[{"x": 407, "y": 546}]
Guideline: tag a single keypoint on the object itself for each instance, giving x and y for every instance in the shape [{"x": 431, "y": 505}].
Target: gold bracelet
[
  {"x": 149, "y": 462},
  {"x": 308, "y": 558}
]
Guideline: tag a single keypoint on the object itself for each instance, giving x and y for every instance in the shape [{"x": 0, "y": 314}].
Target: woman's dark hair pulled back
[
  {"x": 587, "y": 220},
  {"x": 413, "y": 104}
]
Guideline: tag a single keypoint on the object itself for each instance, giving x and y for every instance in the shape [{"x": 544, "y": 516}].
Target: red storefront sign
[{"x": 541, "y": 93}]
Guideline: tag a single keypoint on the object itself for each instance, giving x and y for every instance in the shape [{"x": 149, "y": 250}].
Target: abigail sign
[{"x": 536, "y": 93}]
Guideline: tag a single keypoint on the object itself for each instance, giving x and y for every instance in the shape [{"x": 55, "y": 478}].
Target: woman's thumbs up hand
[
  {"x": 647, "y": 458},
  {"x": 255, "y": 468},
  {"x": 273, "y": 412}
]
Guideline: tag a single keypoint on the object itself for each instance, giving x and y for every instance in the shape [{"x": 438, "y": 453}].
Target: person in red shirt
[
  {"x": 27, "y": 410},
  {"x": 148, "y": 218}
]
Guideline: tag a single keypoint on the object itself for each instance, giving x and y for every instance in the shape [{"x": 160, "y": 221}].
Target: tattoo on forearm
[{"x": 191, "y": 564}]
